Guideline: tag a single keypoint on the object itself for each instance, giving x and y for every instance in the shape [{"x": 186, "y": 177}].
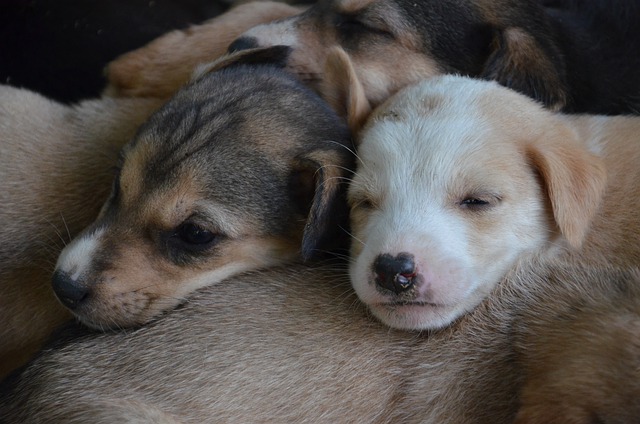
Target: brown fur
[
  {"x": 293, "y": 344},
  {"x": 57, "y": 163}
]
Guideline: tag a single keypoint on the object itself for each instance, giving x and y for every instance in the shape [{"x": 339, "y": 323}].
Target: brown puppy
[
  {"x": 56, "y": 167},
  {"x": 294, "y": 345},
  {"x": 565, "y": 59},
  {"x": 240, "y": 170},
  {"x": 165, "y": 64}
]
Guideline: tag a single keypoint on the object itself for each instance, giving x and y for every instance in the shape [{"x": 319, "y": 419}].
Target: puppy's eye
[
  {"x": 194, "y": 236},
  {"x": 474, "y": 202},
  {"x": 351, "y": 26},
  {"x": 478, "y": 203}
]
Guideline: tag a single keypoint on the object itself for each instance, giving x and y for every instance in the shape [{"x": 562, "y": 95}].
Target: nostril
[
  {"x": 242, "y": 43},
  {"x": 395, "y": 273},
  {"x": 70, "y": 292}
]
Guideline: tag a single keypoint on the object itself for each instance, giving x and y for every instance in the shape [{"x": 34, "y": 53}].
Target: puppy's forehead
[
  {"x": 351, "y": 6},
  {"x": 231, "y": 136}
]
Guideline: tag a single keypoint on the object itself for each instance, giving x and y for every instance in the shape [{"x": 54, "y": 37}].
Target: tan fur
[
  {"x": 57, "y": 164},
  {"x": 165, "y": 64},
  {"x": 584, "y": 368},
  {"x": 294, "y": 345},
  {"x": 56, "y": 167}
]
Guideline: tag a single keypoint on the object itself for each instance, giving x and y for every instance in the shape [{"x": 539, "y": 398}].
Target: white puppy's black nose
[
  {"x": 242, "y": 43},
  {"x": 70, "y": 292},
  {"x": 395, "y": 273}
]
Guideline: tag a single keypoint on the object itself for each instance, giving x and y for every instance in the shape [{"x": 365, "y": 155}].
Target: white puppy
[{"x": 459, "y": 179}]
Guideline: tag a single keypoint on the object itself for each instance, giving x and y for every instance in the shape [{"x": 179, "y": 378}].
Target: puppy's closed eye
[
  {"x": 479, "y": 202},
  {"x": 351, "y": 27}
]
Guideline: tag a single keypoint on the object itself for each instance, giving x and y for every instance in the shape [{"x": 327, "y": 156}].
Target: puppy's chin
[
  {"x": 128, "y": 314},
  {"x": 417, "y": 316}
]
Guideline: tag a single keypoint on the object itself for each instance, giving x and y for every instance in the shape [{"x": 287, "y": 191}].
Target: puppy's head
[
  {"x": 457, "y": 180},
  {"x": 241, "y": 170},
  {"x": 395, "y": 43}
]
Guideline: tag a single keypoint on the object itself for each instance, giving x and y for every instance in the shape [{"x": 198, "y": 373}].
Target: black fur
[{"x": 586, "y": 51}]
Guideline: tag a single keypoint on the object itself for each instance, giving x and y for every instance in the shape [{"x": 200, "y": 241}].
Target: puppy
[
  {"x": 575, "y": 57},
  {"x": 56, "y": 170},
  {"x": 458, "y": 179},
  {"x": 161, "y": 67},
  {"x": 295, "y": 345},
  {"x": 240, "y": 170}
]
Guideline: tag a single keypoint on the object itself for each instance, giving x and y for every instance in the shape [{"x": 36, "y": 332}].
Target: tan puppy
[
  {"x": 295, "y": 345},
  {"x": 165, "y": 64},
  {"x": 56, "y": 167},
  {"x": 458, "y": 179}
]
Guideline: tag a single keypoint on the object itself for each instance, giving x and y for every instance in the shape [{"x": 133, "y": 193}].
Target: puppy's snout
[
  {"x": 395, "y": 273},
  {"x": 242, "y": 43},
  {"x": 70, "y": 292}
]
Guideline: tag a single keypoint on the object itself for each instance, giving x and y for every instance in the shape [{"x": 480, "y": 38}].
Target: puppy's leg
[
  {"x": 162, "y": 66},
  {"x": 583, "y": 369}
]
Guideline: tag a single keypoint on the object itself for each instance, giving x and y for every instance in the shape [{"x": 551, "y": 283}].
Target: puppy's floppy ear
[
  {"x": 318, "y": 180},
  {"x": 574, "y": 180},
  {"x": 519, "y": 62},
  {"x": 274, "y": 55},
  {"x": 342, "y": 89}
]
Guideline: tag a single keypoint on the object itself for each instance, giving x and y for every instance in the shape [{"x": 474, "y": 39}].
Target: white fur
[{"x": 77, "y": 256}]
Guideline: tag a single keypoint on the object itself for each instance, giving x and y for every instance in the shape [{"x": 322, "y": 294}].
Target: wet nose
[
  {"x": 242, "y": 43},
  {"x": 395, "y": 273},
  {"x": 70, "y": 292}
]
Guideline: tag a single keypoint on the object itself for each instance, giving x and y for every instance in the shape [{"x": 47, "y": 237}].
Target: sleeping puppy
[
  {"x": 575, "y": 57},
  {"x": 458, "y": 179},
  {"x": 240, "y": 170},
  {"x": 56, "y": 170},
  {"x": 294, "y": 345},
  {"x": 161, "y": 67}
]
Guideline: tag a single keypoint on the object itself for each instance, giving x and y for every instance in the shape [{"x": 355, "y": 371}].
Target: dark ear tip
[{"x": 274, "y": 55}]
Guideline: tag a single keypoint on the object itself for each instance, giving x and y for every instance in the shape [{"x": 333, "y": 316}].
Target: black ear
[
  {"x": 319, "y": 180},
  {"x": 274, "y": 55},
  {"x": 518, "y": 61}
]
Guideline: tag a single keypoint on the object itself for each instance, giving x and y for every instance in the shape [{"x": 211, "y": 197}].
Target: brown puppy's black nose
[
  {"x": 242, "y": 43},
  {"x": 70, "y": 292},
  {"x": 395, "y": 273}
]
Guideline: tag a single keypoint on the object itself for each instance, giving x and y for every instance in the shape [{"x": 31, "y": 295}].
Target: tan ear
[
  {"x": 342, "y": 89},
  {"x": 519, "y": 62},
  {"x": 319, "y": 180},
  {"x": 574, "y": 179}
]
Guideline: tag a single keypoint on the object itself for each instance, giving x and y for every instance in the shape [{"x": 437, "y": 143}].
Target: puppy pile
[{"x": 494, "y": 237}]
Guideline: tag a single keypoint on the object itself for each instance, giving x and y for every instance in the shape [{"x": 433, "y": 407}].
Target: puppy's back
[{"x": 294, "y": 345}]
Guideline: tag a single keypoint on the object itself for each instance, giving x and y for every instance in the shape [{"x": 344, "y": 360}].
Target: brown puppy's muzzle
[{"x": 69, "y": 291}]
